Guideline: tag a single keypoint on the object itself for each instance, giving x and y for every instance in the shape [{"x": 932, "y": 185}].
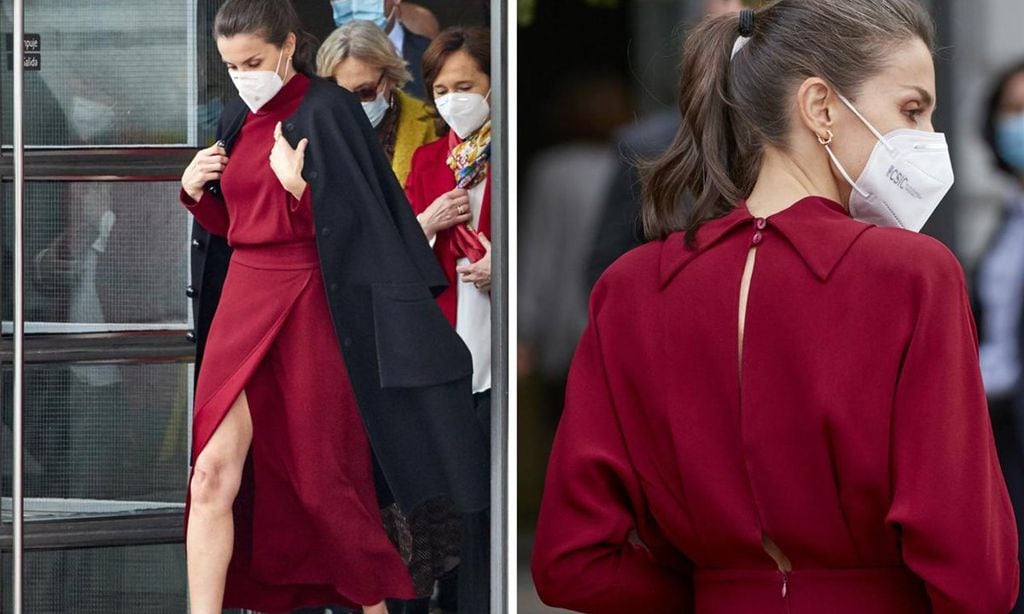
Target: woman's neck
[{"x": 782, "y": 182}]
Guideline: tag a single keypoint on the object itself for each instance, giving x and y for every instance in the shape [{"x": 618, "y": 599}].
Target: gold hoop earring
[{"x": 828, "y": 140}]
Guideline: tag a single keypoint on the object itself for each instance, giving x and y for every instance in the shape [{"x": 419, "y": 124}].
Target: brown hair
[
  {"x": 271, "y": 20},
  {"x": 475, "y": 41},
  {"x": 732, "y": 108}
]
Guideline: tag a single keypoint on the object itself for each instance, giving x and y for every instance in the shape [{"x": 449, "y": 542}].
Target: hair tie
[
  {"x": 746, "y": 31},
  {"x": 747, "y": 22}
]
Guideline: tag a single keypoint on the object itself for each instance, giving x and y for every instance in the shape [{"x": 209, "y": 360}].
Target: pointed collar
[{"x": 819, "y": 229}]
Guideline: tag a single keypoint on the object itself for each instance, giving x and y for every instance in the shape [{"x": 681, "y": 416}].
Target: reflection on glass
[
  {"x": 121, "y": 580},
  {"x": 118, "y": 72},
  {"x": 101, "y": 439},
  {"x": 100, "y": 256}
]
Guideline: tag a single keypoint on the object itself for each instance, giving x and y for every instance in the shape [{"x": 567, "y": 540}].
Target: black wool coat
[{"x": 410, "y": 370}]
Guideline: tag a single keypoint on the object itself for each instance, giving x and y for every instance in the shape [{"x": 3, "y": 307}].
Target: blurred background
[{"x": 597, "y": 88}]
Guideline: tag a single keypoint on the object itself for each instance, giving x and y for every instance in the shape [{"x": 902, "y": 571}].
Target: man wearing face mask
[
  {"x": 387, "y": 15},
  {"x": 998, "y": 288},
  {"x": 449, "y": 189}
]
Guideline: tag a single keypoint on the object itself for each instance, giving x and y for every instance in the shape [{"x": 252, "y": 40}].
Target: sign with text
[{"x": 33, "y": 55}]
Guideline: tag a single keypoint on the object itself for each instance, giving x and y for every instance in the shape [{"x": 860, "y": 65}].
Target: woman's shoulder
[
  {"x": 906, "y": 255},
  {"x": 634, "y": 274},
  {"x": 413, "y": 107},
  {"x": 433, "y": 153},
  {"x": 326, "y": 89},
  {"x": 416, "y": 125},
  {"x": 326, "y": 99}
]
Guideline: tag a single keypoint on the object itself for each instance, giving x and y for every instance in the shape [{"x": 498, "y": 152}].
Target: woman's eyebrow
[
  {"x": 929, "y": 100},
  {"x": 245, "y": 61}
]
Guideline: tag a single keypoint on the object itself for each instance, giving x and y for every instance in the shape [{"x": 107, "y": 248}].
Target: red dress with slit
[{"x": 308, "y": 530}]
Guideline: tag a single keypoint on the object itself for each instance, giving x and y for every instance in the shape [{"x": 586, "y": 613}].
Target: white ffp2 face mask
[
  {"x": 257, "y": 87},
  {"x": 376, "y": 109},
  {"x": 904, "y": 180},
  {"x": 464, "y": 112}
]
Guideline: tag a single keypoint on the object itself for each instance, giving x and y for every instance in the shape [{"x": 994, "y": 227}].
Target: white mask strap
[
  {"x": 278, "y": 67},
  {"x": 842, "y": 171},
  {"x": 878, "y": 135}
]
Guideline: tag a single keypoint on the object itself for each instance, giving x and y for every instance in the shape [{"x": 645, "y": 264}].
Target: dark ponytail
[
  {"x": 306, "y": 46},
  {"x": 702, "y": 156},
  {"x": 732, "y": 108},
  {"x": 273, "y": 21}
]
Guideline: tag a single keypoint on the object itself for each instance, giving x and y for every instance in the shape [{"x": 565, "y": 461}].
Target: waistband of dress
[
  {"x": 880, "y": 590},
  {"x": 296, "y": 255}
]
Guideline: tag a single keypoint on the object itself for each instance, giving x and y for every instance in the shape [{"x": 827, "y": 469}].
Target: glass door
[{"x": 118, "y": 95}]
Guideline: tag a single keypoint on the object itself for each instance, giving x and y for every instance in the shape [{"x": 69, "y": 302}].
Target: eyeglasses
[{"x": 369, "y": 94}]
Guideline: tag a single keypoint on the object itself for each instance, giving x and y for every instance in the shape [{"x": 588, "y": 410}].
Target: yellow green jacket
[{"x": 415, "y": 128}]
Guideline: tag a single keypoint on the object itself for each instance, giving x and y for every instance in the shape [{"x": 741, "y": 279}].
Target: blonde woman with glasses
[{"x": 359, "y": 57}]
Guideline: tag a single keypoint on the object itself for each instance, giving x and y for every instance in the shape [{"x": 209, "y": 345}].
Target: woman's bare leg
[
  {"x": 215, "y": 481},
  {"x": 380, "y": 608}
]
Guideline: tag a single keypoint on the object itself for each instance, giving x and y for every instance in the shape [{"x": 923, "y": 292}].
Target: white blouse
[{"x": 473, "y": 312}]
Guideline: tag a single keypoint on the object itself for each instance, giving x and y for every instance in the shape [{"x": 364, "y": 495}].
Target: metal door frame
[{"x": 500, "y": 307}]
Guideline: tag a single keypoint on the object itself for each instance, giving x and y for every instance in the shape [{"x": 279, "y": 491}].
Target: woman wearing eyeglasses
[{"x": 360, "y": 58}]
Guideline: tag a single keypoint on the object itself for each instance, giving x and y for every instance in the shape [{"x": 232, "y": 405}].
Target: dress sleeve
[
  {"x": 949, "y": 500},
  {"x": 587, "y": 557},
  {"x": 209, "y": 211}
]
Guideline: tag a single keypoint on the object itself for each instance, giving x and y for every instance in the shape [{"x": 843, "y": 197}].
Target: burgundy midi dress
[{"x": 308, "y": 530}]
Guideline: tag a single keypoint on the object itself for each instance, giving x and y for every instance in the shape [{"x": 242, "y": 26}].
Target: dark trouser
[
  {"x": 467, "y": 589},
  {"x": 474, "y": 583},
  {"x": 1008, "y": 431}
]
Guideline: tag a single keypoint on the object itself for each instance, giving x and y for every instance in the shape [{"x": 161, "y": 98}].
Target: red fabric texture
[
  {"x": 857, "y": 436},
  {"x": 430, "y": 177},
  {"x": 308, "y": 530}
]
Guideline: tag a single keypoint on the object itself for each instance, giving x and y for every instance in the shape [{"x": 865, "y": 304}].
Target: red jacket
[
  {"x": 430, "y": 177},
  {"x": 857, "y": 437}
]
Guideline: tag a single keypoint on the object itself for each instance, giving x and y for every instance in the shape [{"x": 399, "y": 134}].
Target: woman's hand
[
  {"x": 208, "y": 165},
  {"x": 447, "y": 210},
  {"x": 479, "y": 272},
  {"x": 287, "y": 163}
]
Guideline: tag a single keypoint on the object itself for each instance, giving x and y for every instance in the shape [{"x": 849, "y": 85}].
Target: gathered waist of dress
[
  {"x": 881, "y": 590},
  {"x": 291, "y": 255}
]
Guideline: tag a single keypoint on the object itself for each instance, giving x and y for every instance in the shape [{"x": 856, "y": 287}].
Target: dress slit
[
  {"x": 305, "y": 517},
  {"x": 307, "y": 528}
]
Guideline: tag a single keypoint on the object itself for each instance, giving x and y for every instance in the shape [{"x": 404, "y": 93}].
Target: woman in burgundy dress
[
  {"x": 777, "y": 406},
  {"x": 282, "y": 510}
]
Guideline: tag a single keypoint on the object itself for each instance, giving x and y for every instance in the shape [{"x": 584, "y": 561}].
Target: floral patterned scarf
[{"x": 468, "y": 160}]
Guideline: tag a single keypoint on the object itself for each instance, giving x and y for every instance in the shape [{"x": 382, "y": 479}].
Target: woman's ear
[{"x": 814, "y": 102}]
